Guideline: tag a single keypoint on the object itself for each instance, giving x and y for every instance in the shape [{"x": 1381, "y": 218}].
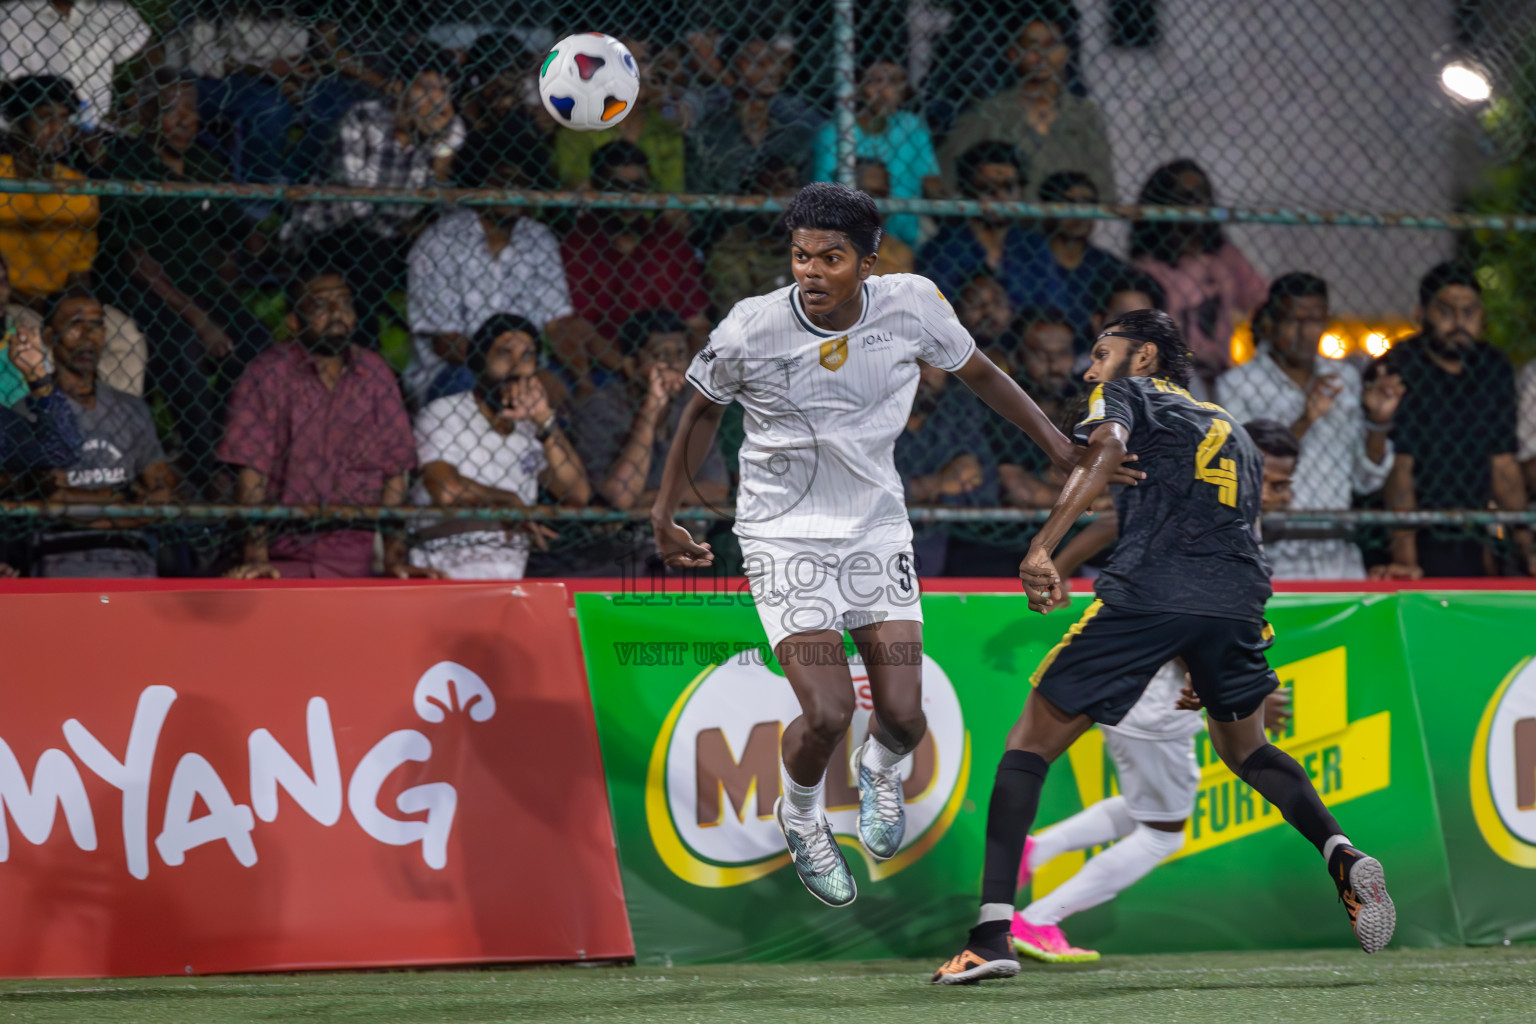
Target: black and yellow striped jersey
[{"x": 1189, "y": 531}]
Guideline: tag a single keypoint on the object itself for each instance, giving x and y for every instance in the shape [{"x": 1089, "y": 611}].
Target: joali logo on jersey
[
  {"x": 1503, "y": 769},
  {"x": 1345, "y": 760},
  {"x": 714, "y": 774},
  {"x": 834, "y": 353},
  {"x": 879, "y": 339}
]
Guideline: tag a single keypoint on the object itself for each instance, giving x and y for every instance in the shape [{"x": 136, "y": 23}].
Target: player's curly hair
[
  {"x": 829, "y": 206},
  {"x": 1154, "y": 327}
]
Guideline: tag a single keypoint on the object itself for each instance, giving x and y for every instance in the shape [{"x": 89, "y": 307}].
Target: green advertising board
[
  {"x": 1470, "y": 659},
  {"x": 690, "y": 708}
]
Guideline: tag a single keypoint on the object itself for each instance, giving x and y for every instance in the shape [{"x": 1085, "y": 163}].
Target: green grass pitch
[{"x": 1460, "y": 985}]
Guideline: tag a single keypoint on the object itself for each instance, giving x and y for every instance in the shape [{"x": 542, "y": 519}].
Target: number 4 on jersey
[{"x": 1224, "y": 473}]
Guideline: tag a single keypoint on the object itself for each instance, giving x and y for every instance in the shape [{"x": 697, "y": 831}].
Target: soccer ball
[{"x": 589, "y": 82}]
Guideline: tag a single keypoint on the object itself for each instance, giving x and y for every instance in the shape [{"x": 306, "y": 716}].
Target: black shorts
[{"x": 1105, "y": 661}]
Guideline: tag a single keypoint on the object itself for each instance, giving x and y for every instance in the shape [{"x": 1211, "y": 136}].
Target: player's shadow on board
[{"x": 1001, "y": 651}]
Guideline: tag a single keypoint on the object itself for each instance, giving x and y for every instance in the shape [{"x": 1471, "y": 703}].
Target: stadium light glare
[
  {"x": 1466, "y": 82},
  {"x": 1332, "y": 346},
  {"x": 1377, "y": 343}
]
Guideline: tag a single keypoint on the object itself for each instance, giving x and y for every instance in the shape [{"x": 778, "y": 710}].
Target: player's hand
[
  {"x": 1048, "y": 601},
  {"x": 1068, "y": 459},
  {"x": 678, "y": 549},
  {"x": 1189, "y": 700},
  {"x": 1277, "y": 710},
  {"x": 1382, "y": 396},
  {"x": 1040, "y": 579},
  {"x": 1126, "y": 474}
]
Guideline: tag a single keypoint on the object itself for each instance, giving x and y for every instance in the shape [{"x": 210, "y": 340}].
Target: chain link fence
[{"x": 320, "y": 289}]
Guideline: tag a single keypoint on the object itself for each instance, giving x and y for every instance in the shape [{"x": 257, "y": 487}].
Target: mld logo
[
  {"x": 1503, "y": 769},
  {"x": 714, "y": 774}
]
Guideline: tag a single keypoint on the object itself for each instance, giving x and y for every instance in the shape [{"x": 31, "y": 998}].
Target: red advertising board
[{"x": 214, "y": 780}]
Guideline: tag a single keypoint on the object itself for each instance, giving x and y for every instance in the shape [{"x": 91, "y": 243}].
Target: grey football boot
[
  {"x": 882, "y": 808},
  {"x": 818, "y": 861}
]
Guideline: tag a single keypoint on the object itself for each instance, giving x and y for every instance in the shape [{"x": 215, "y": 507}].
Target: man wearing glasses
[{"x": 988, "y": 244}]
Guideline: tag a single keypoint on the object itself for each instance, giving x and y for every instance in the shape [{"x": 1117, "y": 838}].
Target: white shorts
[
  {"x": 804, "y": 585},
  {"x": 1158, "y": 778}
]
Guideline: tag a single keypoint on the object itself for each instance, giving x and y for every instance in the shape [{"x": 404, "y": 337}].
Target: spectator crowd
[{"x": 186, "y": 348}]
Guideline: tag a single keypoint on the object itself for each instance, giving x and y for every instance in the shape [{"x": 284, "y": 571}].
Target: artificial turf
[{"x": 1460, "y": 985}]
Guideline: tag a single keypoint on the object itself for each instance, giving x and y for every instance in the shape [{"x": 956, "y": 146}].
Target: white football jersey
[
  {"x": 1154, "y": 716},
  {"x": 823, "y": 409}
]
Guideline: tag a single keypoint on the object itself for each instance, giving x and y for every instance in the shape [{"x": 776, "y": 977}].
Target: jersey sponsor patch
[
  {"x": 1095, "y": 405},
  {"x": 834, "y": 353}
]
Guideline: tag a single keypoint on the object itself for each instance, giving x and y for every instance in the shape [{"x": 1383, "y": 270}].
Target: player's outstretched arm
[
  {"x": 1106, "y": 450},
  {"x": 1009, "y": 401},
  {"x": 695, "y": 436}
]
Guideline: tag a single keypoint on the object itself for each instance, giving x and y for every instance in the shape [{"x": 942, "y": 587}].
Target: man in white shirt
[
  {"x": 1342, "y": 427},
  {"x": 81, "y": 40},
  {"x": 482, "y": 260},
  {"x": 493, "y": 446}
]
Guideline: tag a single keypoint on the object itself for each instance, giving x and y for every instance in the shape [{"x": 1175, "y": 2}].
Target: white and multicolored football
[{"x": 589, "y": 82}]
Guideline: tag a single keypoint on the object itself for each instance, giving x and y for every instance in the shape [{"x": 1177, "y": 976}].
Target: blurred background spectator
[
  {"x": 315, "y": 421},
  {"x": 81, "y": 42},
  {"x": 478, "y": 261},
  {"x": 1052, "y": 128},
  {"x": 625, "y": 428},
  {"x": 622, "y": 262},
  {"x": 761, "y": 120},
  {"x": 1341, "y": 426},
  {"x": 173, "y": 264},
  {"x": 1455, "y": 434},
  {"x": 894, "y": 255},
  {"x": 405, "y": 143},
  {"x": 493, "y": 446},
  {"x": 991, "y": 242},
  {"x": 943, "y": 459},
  {"x": 47, "y": 241},
  {"x": 887, "y": 132},
  {"x": 121, "y": 457},
  {"x": 1070, "y": 273},
  {"x": 1209, "y": 285}
]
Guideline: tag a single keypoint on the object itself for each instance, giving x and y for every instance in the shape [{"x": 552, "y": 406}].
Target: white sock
[
  {"x": 1106, "y": 875},
  {"x": 1101, "y": 823},
  {"x": 878, "y": 757},
  {"x": 802, "y": 804},
  {"x": 995, "y": 912},
  {"x": 1333, "y": 843}
]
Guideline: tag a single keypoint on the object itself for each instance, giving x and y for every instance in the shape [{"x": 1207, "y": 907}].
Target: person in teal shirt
[{"x": 897, "y": 138}]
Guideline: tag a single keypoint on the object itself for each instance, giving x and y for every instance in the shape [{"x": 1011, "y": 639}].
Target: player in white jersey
[
  {"x": 1154, "y": 754},
  {"x": 826, "y": 370}
]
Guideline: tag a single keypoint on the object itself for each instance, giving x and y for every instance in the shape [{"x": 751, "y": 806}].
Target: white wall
[{"x": 1315, "y": 104}]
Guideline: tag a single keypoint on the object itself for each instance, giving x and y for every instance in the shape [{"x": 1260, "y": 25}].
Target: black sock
[
  {"x": 1283, "y": 782},
  {"x": 990, "y": 935},
  {"x": 1015, "y": 798}
]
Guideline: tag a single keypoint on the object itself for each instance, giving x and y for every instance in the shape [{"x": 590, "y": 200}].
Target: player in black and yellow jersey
[{"x": 1188, "y": 579}]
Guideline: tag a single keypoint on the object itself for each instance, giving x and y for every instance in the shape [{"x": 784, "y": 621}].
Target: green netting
[{"x": 176, "y": 174}]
